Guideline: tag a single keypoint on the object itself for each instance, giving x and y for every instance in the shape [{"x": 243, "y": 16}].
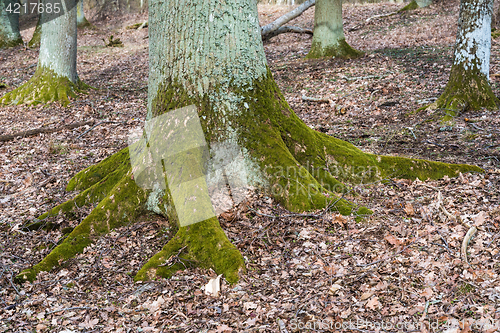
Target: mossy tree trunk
[
  {"x": 81, "y": 21},
  {"x": 209, "y": 54},
  {"x": 468, "y": 86},
  {"x": 9, "y": 24},
  {"x": 329, "y": 39},
  {"x": 55, "y": 78}
]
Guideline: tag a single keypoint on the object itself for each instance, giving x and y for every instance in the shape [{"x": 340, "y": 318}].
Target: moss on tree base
[
  {"x": 341, "y": 50},
  {"x": 411, "y": 6},
  {"x": 45, "y": 86},
  {"x": 465, "y": 91}
]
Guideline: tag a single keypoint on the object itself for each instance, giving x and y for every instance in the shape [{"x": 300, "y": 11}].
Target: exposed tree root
[
  {"x": 44, "y": 87},
  {"x": 206, "y": 246}
]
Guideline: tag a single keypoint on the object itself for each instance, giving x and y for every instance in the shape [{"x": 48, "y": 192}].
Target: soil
[{"x": 403, "y": 265}]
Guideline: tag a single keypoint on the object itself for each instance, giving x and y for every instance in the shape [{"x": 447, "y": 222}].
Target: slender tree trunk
[
  {"x": 81, "y": 21},
  {"x": 37, "y": 35},
  {"x": 328, "y": 39},
  {"x": 55, "y": 78},
  {"x": 468, "y": 87},
  {"x": 216, "y": 119},
  {"x": 9, "y": 24}
]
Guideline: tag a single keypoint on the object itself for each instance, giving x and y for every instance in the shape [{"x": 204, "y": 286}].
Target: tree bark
[
  {"x": 9, "y": 25},
  {"x": 468, "y": 87},
  {"x": 328, "y": 39},
  {"x": 216, "y": 119},
  {"x": 55, "y": 78}
]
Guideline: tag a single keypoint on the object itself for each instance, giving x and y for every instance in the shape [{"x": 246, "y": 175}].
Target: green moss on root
[
  {"x": 206, "y": 246},
  {"x": 341, "y": 50},
  {"x": 121, "y": 207},
  {"x": 94, "y": 190},
  {"x": 95, "y": 173},
  {"x": 45, "y": 86}
]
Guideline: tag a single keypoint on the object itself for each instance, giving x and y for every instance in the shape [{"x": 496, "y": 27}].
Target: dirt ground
[{"x": 400, "y": 270}]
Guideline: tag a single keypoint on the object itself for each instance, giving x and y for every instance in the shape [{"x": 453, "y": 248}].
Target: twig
[
  {"x": 72, "y": 308},
  {"x": 102, "y": 122},
  {"x": 435, "y": 144},
  {"x": 9, "y": 137},
  {"x": 363, "y": 77}
]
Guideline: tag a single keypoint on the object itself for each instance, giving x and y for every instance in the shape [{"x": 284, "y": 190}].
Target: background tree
[
  {"x": 9, "y": 25},
  {"x": 37, "y": 35},
  {"x": 55, "y": 78},
  {"x": 468, "y": 87},
  {"x": 328, "y": 39},
  {"x": 81, "y": 21},
  {"x": 210, "y": 54}
]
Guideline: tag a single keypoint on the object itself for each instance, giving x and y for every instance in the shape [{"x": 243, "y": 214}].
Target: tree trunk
[
  {"x": 81, "y": 21},
  {"x": 9, "y": 24},
  {"x": 328, "y": 39},
  {"x": 468, "y": 87},
  {"x": 37, "y": 35},
  {"x": 216, "y": 119},
  {"x": 55, "y": 78}
]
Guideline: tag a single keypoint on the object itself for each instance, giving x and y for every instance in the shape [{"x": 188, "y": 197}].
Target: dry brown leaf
[{"x": 373, "y": 304}]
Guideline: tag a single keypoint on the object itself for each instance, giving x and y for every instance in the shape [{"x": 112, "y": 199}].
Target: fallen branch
[
  {"x": 381, "y": 15},
  {"x": 315, "y": 99},
  {"x": 37, "y": 131},
  {"x": 472, "y": 231},
  {"x": 102, "y": 122},
  {"x": 286, "y": 29},
  {"x": 268, "y": 29}
]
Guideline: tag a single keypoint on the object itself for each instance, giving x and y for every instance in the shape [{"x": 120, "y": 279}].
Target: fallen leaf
[
  {"x": 213, "y": 286},
  {"x": 373, "y": 304}
]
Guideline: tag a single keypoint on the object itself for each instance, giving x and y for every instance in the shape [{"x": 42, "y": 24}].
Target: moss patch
[{"x": 45, "y": 86}]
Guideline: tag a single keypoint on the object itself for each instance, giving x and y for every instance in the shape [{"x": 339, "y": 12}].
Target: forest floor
[{"x": 400, "y": 270}]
